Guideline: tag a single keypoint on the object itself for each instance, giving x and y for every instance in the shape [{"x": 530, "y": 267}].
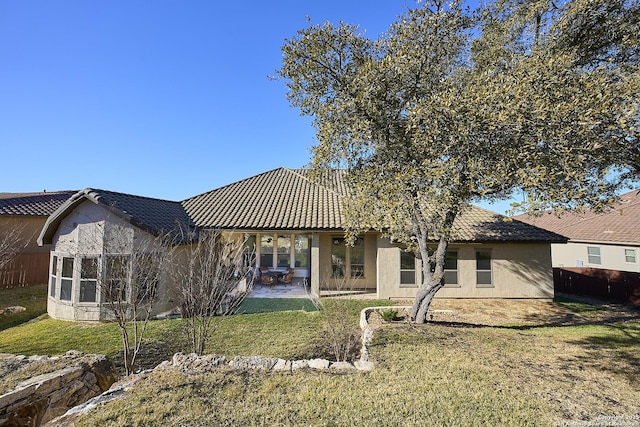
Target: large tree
[{"x": 453, "y": 106}]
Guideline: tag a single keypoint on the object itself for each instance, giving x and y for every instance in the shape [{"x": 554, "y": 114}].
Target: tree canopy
[{"x": 452, "y": 106}]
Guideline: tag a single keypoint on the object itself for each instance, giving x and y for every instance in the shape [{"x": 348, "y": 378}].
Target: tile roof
[
  {"x": 481, "y": 225},
  {"x": 284, "y": 199},
  {"x": 32, "y": 204},
  {"x": 280, "y": 199},
  {"x": 152, "y": 215},
  {"x": 621, "y": 224}
]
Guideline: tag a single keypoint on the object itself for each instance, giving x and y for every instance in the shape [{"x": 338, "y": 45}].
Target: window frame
[
  {"x": 347, "y": 270},
  {"x": 626, "y": 255},
  {"x": 592, "y": 257},
  {"x": 408, "y": 271},
  {"x": 66, "y": 282},
  {"x": 88, "y": 283},
  {"x": 452, "y": 270},
  {"x": 483, "y": 271},
  {"x": 53, "y": 276}
]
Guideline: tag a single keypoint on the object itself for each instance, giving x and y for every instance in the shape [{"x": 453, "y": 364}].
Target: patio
[{"x": 299, "y": 288}]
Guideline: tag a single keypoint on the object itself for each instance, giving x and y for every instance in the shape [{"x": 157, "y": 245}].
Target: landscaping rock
[
  {"x": 253, "y": 362},
  {"x": 13, "y": 310},
  {"x": 342, "y": 366},
  {"x": 363, "y": 365},
  {"x": 318, "y": 364},
  {"x": 46, "y": 396},
  {"x": 299, "y": 364},
  {"x": 282, "y": 365}
]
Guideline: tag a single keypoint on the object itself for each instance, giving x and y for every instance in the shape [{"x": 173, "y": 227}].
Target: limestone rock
[
  {"x": 342, "y": 366},
  {"x": 318, "y": 364},
  {"x": 253, "y": 362}
]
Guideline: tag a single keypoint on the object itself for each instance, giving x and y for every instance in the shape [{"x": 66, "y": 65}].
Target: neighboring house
[
  {"x": 603, "y": 251},
  {"x": 26, "y": 213},
  {"x": 294, "y": 221}
]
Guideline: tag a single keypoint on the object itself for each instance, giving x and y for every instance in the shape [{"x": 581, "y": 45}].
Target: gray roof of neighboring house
[
  {"x": 280, "y": 199},
  {"x": 32, "y": 204},
  {"x": 620, "y": 224}
]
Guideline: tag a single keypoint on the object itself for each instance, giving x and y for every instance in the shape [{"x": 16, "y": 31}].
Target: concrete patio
[{"x": 299, "y": 288}]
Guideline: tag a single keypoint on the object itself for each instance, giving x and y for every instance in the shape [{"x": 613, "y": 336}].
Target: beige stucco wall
[
  {"x": 518, "y": 271},
  {"x": 612, "y": 257},
  {"x": 81, "y": 234}
]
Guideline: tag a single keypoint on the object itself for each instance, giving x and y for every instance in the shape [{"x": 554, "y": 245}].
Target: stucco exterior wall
[
  {"x": 82, "y": 234},
  {"x": 518, "y": 271},
  {"x": 612, "y": 257}
]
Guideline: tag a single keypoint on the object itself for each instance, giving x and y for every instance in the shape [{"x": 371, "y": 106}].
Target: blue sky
[{"x": 164, "y": 99}]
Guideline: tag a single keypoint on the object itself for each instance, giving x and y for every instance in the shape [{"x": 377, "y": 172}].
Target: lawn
[
  {"x": 453, "y": 374},
  {"x": 33, "y": 298}
]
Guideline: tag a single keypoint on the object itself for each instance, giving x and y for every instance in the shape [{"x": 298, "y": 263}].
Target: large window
[
  {"x": 593, "y": 253},
  {"x": 451, "y": 270},
  {"x": 356, "y": 258},
  {"x": 266, "y": 251},
  {"x": 284, "y": 250},
  {"x": 302, "y": 253},
  {"x": 88, "y": 279},
  {"x": 54, "y": 275},
  {"x": 116, "y": 278},
  {"x": 630, "y": 255},
  {"x": 347, "y": 260},
  {"x": 407, "y": 268},
  {"x": 484, "y": 277},
  {"x": 338, "y": 258},
  {"x": 66, "y": 282}
]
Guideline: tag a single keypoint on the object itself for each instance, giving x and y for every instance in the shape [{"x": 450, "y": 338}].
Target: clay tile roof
[
  {"x": 145, "y": 212},
  {"x": 620, "y": 224},
  {"x": 276, "y": 200},
  {"x": 481, "y": 225},
  {"x": 32, "y": 204}
]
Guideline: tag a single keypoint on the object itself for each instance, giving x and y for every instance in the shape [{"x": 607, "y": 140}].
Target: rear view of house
[{"x": 293, "y": 221}]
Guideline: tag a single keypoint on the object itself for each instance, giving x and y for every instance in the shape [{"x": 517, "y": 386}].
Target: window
[
  {"x": 483, "y": 269},
  {"x": 88, "y": 279},
  {"x": 356, "y": 258},
  {"x": 284, "y": 250},
  {"x": 54, "y": 274},
  {"x": 347, "y": 260},
  {"x": 266, "y": 251},
  {"x": 630, "y": 255},
  {"x": 66, "y": 281},
  {"x": 250, "y": 251},
  {"x": 116, "y": 278},
  {"x": 338, "y": 258},
  {"x": 407, "y": 268},
  {"x": 593, "y": 253},
  {"x": 451, "y": 270},
  {"x": 302, "y": 253}
]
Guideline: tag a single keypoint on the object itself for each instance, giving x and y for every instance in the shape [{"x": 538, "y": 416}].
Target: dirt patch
[{"x": 500, "y": 312}]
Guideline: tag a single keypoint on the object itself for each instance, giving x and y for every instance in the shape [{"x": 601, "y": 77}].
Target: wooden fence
[
  {"x": 612, "y": 284},
  {"x": 26, "y": 270}
]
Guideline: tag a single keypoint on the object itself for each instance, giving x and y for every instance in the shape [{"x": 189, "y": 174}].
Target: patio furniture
[
  {"x": 287, "y": 277},
  {"x": 266, "y": 277}
]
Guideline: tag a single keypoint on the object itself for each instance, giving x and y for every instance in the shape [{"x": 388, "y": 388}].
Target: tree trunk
[{"x": 433, "y": 277}]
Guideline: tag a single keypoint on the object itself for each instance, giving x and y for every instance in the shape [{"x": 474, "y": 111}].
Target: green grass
[
  {"x": 581, "y": 308},
  {"x": 434, "y": 374},
  {"x": 425, "y": 375},
  {"x": 33, "y": 298},
  {"x": 262, "y": 305}
]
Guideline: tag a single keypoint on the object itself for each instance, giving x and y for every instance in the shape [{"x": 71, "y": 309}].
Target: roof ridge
[
  {"x": 230, "y": 184},
  {"x": 98, "y": 190},
  {"x": 295, "y": 171}
]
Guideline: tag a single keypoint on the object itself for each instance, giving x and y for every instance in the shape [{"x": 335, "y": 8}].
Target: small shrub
[{"x": 389, "y": 314}]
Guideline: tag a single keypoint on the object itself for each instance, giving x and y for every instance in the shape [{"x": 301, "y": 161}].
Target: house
[
  {"x": 295, "y": 221},
  {"x": 602, "y": 255},
  {"x": 25, "y": 215}
]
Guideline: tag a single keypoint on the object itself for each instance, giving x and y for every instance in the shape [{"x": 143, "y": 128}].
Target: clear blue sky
[{"x": 164, "y": 99}]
